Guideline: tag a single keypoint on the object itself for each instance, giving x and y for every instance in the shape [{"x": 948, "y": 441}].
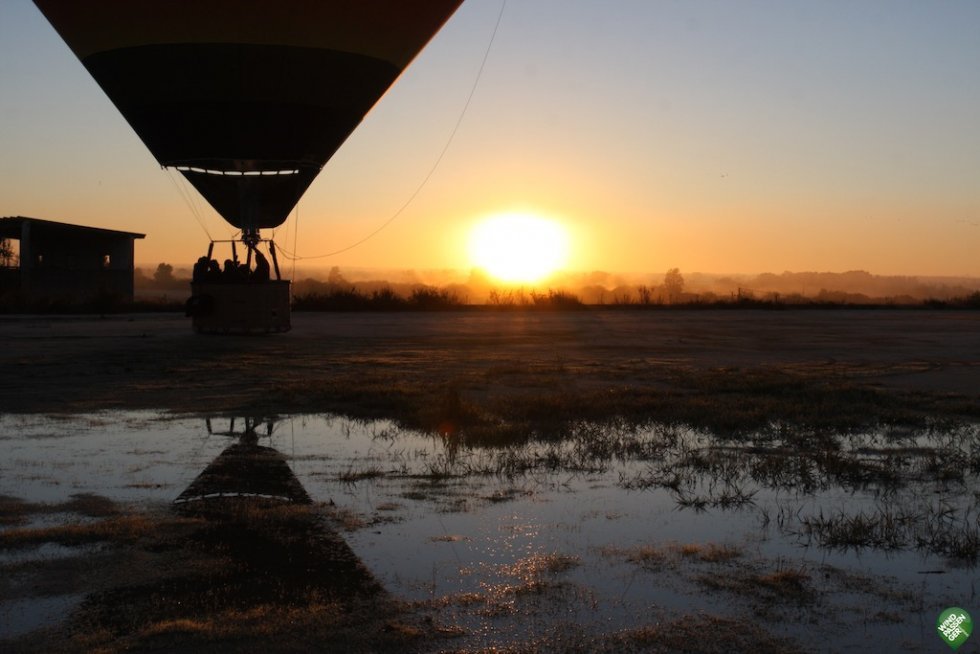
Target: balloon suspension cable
[
  {"x": 275, "y": 258},
  {"x": 445, "y": 148},
  {"x": 188, "y": 199}
]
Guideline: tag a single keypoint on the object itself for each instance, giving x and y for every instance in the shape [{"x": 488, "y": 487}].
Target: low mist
[{"x": 598, "y": 287}]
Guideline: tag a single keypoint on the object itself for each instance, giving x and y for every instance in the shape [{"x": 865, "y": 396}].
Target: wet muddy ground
[{"x": 598, "y": 481}]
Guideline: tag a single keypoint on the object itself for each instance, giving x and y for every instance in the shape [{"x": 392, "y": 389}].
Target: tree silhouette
[
  {"x": 164, "y": 275},
  {"x": 673, "y": 284},
  {"x": 6, "y": 252},
  {"x": 336, "y": 278}
]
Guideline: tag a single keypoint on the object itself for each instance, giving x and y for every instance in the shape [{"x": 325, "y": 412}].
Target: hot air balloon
[{"x": 248, "y": 99}]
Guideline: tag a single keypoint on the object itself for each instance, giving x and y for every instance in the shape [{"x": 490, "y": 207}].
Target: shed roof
[{"x": 10, "y": 227}]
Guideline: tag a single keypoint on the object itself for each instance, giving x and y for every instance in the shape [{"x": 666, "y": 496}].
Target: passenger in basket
[
  {"x": 200, "y": 269},
  {"x": 261, "y": 272},
  {"x": 230, "y": 273}
]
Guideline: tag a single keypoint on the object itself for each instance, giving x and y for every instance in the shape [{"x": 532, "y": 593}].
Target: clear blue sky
[{"x": 721, "y": 136}]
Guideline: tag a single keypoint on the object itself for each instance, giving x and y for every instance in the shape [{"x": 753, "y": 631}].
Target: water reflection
[
  {"x": 881, "y": 490},
  {"x": 245, "y": 468},
  {"x": 266, "y": 518},
  {"x": 248, "y": 556},
  {"x": 504, "y": 541}
]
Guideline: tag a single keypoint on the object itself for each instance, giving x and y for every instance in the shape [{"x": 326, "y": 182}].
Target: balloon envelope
[{"x": 247, "y": 98}]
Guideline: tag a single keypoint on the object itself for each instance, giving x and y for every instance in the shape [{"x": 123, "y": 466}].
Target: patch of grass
[
  {"x": 658, "y": 557},
  {"x": 533, "y": 577},
  {"x": 505, "y": 495},
  {"x": 704, "y": 634},
  {"x": 939, "y": 529},
  {"x": 15, "y": 511},
  {"x": 764, "y": 587},
  {"x": 353, "y": 475},
  {"x": 347, "y": 519},
  {"x": 126, "y": 528},
  {"x": 879, "y": 589},
  {"x": 786, "y": 583},
  {"x": 708, "y": 552},
  {"x": 650, "y": 557}
]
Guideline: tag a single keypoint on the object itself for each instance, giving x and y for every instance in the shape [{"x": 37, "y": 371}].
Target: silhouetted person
[
  {"x": 200, "y": 269},
  {"x": 214, "y": 271},
  {"x": 261, "y": 273},
  {"x": 230, "y": 273}
]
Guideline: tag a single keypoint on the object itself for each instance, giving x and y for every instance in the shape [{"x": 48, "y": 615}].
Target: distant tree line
[
  {"x": 163, "y": 278},
  {"x": 336, "y": 293},
  {"x": 384, "y": 299}
]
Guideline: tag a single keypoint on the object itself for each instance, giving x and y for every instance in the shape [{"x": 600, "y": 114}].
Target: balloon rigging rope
[
  {"x": 452, "y": 135},
  {"x": 189, "y": 201},
  {"x": 295, "y": 236}
]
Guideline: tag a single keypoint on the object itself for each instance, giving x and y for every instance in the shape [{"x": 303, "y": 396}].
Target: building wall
[{"x": 74, "y": 265}]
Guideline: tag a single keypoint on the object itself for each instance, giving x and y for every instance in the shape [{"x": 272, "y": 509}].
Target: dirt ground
[{"x": 55, "y": 364}]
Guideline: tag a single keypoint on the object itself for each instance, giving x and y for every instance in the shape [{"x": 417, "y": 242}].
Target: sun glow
[{"x": 518, "y": 247}]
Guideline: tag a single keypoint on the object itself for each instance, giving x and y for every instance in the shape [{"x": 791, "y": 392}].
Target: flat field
[{"x": 378, "y": 363}]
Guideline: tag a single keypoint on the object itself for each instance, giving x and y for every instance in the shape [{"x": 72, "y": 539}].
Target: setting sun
[{"x": 518, "y": 247}]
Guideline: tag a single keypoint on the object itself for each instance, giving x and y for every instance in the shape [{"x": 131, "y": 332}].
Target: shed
[{"x": 51, "y": 261}]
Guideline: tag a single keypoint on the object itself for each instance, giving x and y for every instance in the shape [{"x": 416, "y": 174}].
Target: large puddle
[{"x": 855, "y": 539}]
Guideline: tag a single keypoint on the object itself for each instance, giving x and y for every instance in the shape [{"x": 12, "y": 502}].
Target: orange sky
[{"x": 715, "y": 137}]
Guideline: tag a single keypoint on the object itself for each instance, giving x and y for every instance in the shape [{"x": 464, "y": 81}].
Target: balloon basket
[{"x": 246, "y": 307}]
